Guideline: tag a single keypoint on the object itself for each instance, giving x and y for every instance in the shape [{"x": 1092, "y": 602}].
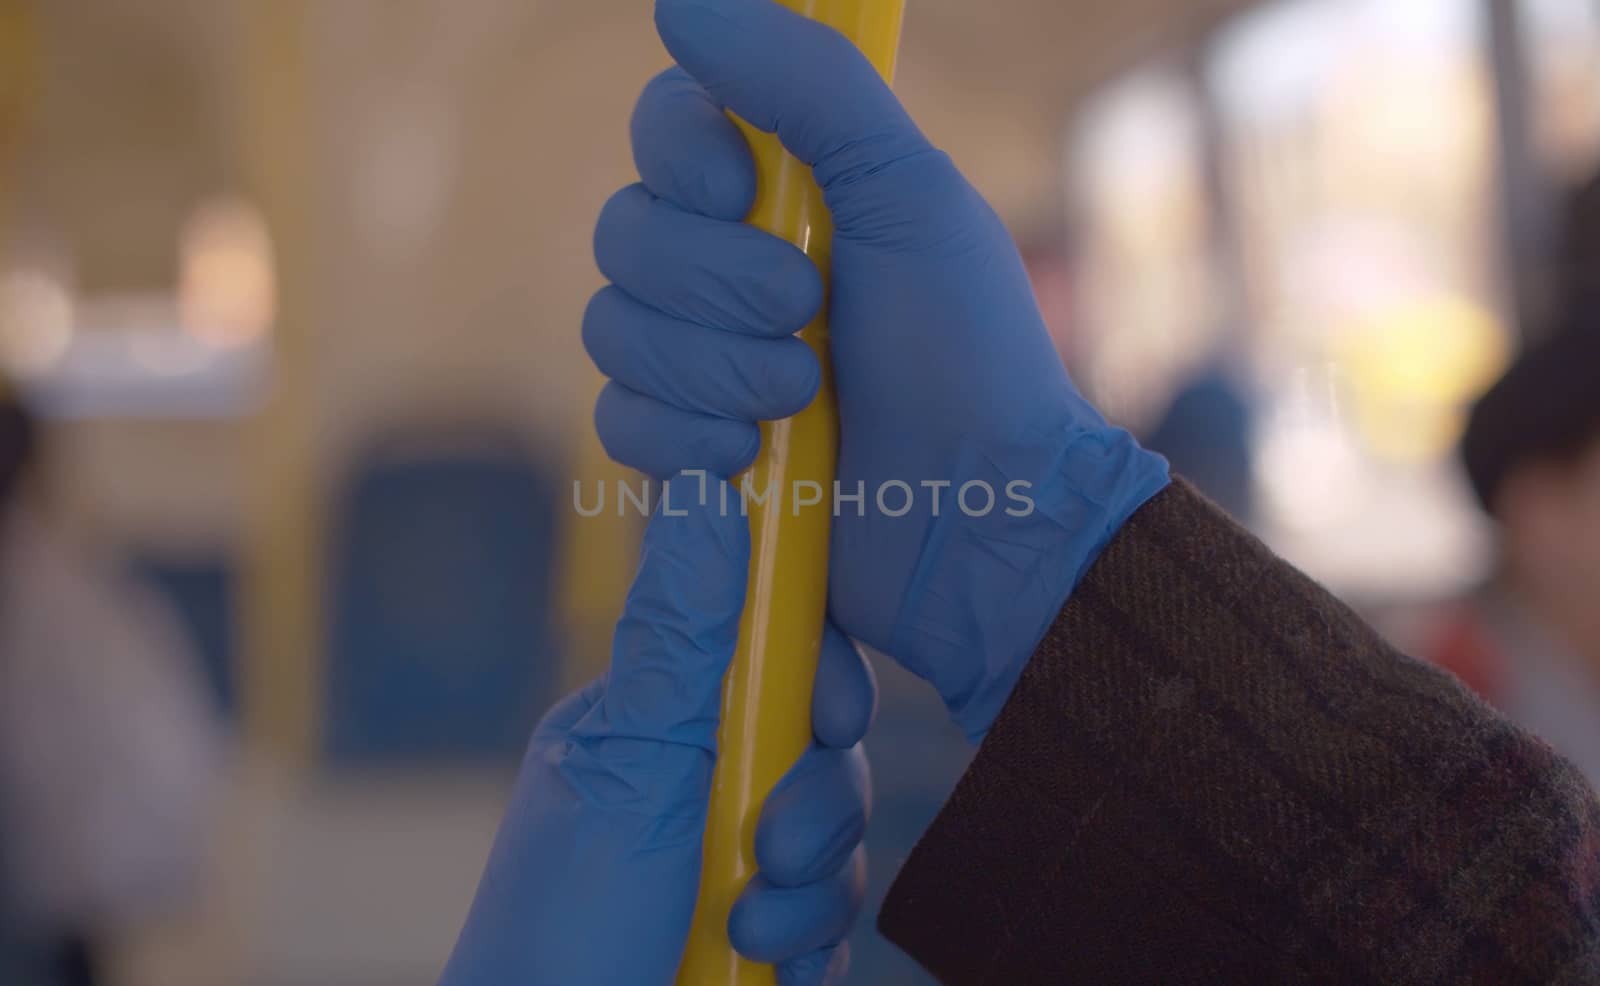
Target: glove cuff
[{"x": 991, "y": 582}]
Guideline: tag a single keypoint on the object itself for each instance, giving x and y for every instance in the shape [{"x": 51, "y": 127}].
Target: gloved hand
[
  {"x": 950, "y": 392},
  {"x": 593, "y": 877}
]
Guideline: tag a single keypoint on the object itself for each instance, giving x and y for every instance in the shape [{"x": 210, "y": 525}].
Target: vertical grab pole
[
  {"x": 280, "y": 606},
  {"x": 766, "y": 698},
  {"x": 19, "y": 47}
]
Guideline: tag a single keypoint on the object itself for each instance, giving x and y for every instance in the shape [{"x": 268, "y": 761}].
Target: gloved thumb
[
  {"x": 656, "y": 717},
  {"x": 785, "y": 73}
]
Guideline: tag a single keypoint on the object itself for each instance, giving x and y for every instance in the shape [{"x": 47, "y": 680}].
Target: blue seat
[{"x": 441, "y": 639}]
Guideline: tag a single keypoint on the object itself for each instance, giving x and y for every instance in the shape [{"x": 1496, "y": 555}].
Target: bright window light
[{"x": 227, "y": 288}]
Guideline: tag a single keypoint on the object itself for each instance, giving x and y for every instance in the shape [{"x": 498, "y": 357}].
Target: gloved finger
[
  {"x": 688, "y": 151},
  {"x": 786, "y": 73},
  {"x": 661, "y": 441},
  {"x": 605, "y": 826},
  {"x": 824, "y": 967},
  {"x": 774, "y": 924},
  {"x": 726, "y": 275},
  {"x": 815, "y": 817},
  {"x": 677, "y": 632},
  {"x": 693, "y": 368},
  {"x": 845, "y": 698}
]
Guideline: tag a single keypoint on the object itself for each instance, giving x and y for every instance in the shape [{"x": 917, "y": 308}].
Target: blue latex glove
[
  {"x": 593, "y": 876},
  {"x": 945, "y": 371}
]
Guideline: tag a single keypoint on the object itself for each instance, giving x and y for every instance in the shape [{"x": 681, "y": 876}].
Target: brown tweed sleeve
[{"x": 1214, "y": 772}]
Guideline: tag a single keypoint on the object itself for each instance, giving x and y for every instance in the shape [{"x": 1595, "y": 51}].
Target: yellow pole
[
  {"x": 18, "y": 42},
  {"x": 280, "y": 611},
  {"x": 766, "y": 699}
]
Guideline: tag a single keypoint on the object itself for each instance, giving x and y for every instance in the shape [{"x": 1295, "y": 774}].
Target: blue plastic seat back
[{"x": 440, "y": 619}]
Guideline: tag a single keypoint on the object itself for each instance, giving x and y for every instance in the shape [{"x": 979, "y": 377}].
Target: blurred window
[
  {"x": 1147, "y": 306},
  {"x": 1359, "y": 137},
  {"x": 197, "y": 348},
  {"x": 127, "y": 286},
  {"x": 1357, "y": 159},
  {"x": 1563, "y": 53}
]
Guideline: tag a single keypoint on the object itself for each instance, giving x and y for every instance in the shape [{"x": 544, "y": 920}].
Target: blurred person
[
  {"x": 1052, "y": 260},
  {"x": 108, "y": 744},
  {"x": 1193, "y": 765},
  {"x": 1577, "y": 273},
  {"x": 1529, "y": 641},
  {"x": 1205, "y": 435},
  {"x": 1205, "y": 431}
]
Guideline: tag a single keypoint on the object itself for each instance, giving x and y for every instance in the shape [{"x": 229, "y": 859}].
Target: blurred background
[{"x": 291, "y": 292}]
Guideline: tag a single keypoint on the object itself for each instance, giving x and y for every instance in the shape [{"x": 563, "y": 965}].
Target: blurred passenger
[
  {"x": 1205, "y": 431},
  {"x": 1205, "y": 435},
  {"x": 108, "y": 746},
  {"x": 1051, "y": 260},
  {"x": 1578, "y": 264},
  {"x": 1529, "y": 641}
]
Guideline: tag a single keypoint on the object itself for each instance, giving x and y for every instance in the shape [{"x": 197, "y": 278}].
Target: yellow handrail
[
  {"x": 766, "y": 703},
  {"x": 281, "y": 619},
  {"x": 18, "y": 84}
]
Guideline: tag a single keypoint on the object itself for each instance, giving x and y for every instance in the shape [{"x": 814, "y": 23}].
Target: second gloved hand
[
  {"x": 593, "y": 878},
  {"x": 987, "y": 484}
]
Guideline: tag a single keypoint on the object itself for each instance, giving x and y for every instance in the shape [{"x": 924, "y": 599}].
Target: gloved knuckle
[
  {"x": 787, "y": 379},
  {"x": 831, "y": 47},
  {"x": 797, "y": 293},
  {"x": 614, "y": 230},
  {"x": 596, "y": 328},
  {"x": 726, "y": 446}
]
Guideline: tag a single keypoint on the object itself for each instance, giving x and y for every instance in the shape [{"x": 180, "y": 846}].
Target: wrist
[{"x": 990, "y": 585}]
